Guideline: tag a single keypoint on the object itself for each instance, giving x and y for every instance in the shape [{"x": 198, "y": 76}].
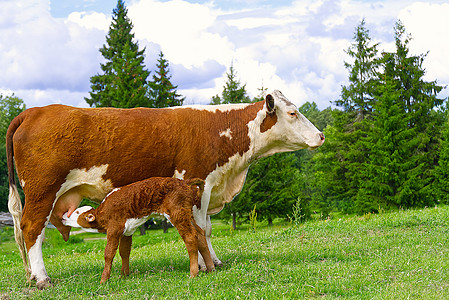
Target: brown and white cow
[{"x": 63, "y": 154}]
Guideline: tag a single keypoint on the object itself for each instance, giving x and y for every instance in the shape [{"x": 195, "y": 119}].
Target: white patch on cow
[
  {"x": 227, "y": 133},
  {"x": 36, "y": 260},
  {"x": 224, "y": 183},
  {"x": 132, "y": 224},
  {"x": 214, "y": 108},
  {"x": 179, "y": 175},
  {"x": 114, "y": 190},
  {"x": 22, "y": 183},
  {"x": 88, "y": 183},
  {"x": 92, "y": 179}
]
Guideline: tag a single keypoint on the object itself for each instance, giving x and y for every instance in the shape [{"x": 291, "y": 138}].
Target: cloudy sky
[{"x": 49, "y": 48}]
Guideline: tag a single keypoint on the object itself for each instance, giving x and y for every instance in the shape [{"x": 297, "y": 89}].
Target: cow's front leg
[{"x": 208, "y": 231}]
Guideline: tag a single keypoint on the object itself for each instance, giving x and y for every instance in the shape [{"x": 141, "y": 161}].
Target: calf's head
[{"x": 83, "y": 217}]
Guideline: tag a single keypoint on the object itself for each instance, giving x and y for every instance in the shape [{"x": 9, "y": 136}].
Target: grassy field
[{"x": 399, "y": 255}]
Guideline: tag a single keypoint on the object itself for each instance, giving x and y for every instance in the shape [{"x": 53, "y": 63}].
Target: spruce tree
[
  {"x": 357, "y": 96},
  {"x": 419, "y": 99},
  {"x": 162, "y": 92},
  {"x": 233, "y": 91},
  {"x": 352, "y": 123},
  {"x": 387, "y": 140},
  {"x": 442, "y": 169},
  {"x": 404, "y": 137},
  {"x": 124, "y": 82}
]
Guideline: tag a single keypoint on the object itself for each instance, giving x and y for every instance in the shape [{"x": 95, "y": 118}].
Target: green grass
[{"x": 398, "y": 255}]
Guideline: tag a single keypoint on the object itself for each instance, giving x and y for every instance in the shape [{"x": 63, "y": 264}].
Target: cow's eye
[{"x": 292, "y": 113}]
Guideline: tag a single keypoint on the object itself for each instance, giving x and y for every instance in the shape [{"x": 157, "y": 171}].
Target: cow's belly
[
  {"x": 79, "y": 184},
  {"x": 224, "y": 189}
]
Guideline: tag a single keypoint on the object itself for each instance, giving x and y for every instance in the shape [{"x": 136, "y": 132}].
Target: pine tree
[
  {"x": 273, "y": 185},
  {"x": 419, "y": 100},
  {"x": 387, "y": 140},
  {"x": 442, "y": 169},
  {"x": 233, "y": 91},
  {"x": 162, "y": 92},
  {"x": 404, "y": 137},
  {"x": 124, "y": 81},
  {"x": 358, "y": 95},
  {"x": 351, "y": 124}
]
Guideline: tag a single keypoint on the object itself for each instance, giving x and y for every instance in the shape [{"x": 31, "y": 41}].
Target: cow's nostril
[{"x": 322, "y": 136}]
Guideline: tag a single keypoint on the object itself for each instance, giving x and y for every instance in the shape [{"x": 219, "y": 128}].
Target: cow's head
[{"x": 285, "y": 128}]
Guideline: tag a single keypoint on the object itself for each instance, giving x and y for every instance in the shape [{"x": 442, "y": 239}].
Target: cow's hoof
[
  {"x": 218, "y": 263},
  {"x": 43, "y": 284},
  {"x": 202, "y": 267}
]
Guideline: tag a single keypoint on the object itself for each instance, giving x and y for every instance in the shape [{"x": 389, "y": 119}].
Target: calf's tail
[{"x": 14, "y": 202}]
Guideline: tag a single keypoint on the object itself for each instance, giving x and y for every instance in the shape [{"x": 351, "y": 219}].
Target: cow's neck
[{"x": 227, "y": 180}]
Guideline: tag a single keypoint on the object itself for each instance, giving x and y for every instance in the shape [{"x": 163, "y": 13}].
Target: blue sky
[{"x": 49, "y": 49}]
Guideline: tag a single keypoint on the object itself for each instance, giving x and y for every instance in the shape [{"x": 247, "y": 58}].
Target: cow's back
[{"x": 58, "y": 139}]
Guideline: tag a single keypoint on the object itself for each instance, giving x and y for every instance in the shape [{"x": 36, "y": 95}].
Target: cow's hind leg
[{"x": 33, "y": 228}]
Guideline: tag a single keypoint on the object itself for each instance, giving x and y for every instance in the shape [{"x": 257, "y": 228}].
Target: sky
[{"x": 49, "y": 49}]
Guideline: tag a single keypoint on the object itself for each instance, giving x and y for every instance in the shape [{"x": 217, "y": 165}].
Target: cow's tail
[{"x": 14, "y": 202}]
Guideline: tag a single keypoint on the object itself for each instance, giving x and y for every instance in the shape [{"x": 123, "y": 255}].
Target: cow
[
  {"x": 126, "y": 208},
  {"x": 63, "y": 154}
]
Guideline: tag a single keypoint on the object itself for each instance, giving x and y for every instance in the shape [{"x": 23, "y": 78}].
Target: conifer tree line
[{"x": 387, "y": 136}]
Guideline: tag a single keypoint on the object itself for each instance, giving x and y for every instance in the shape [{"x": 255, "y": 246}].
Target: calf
[{"x": 126, "y": 208}]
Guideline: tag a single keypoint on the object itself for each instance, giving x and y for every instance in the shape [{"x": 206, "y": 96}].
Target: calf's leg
[
  {"x": 203, "y": 248},
  {"x": 109, "y": 253},
  {"x": 125, "y": 250},
  {"x": 188, "y": 233}
]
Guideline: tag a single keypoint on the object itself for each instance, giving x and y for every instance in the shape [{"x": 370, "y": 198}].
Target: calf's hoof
[{"x": 43, "y": 284}]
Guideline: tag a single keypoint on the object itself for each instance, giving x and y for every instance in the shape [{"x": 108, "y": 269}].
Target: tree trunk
[
  {"x": 234, "y": 221},
  {"x": 142, "y": 229},
  {"x": 165, "y": 225}
]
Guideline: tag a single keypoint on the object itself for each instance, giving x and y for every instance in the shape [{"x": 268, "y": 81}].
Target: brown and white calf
[
  {"x": 126, "y": 208},
  {"x": 63, "y": 154}
]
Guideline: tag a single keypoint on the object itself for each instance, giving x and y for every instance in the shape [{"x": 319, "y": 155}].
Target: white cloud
[
  {"x": 91, "y": 20},
  {"x": 429, "y": 27},
  {"x": 297, "y": 47},
  {"x": 181, "y": 29}
]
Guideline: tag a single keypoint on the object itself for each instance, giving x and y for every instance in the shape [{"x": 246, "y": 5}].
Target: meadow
[{"x": 394, "y": 255}]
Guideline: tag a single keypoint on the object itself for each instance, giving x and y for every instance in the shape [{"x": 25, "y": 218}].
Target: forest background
[{"x": 386, "y": 137}]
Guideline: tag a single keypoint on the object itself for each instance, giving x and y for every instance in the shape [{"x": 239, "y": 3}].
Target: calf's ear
[
  {"x": 269, "y": 100},
  {"x": 90, "y": 218}
]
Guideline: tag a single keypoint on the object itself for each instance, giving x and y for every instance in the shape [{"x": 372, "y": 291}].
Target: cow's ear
[
  {"x": 90, "y": 218},
  {"x": 269, "y": 100}
]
